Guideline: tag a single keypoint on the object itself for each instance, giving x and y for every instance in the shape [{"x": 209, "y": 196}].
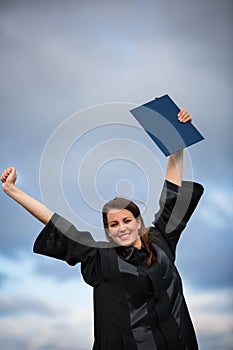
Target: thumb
[{"x": 12, "y": 176}]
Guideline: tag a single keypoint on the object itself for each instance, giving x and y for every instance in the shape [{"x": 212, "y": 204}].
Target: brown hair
[{"x": 125, "y": 203}]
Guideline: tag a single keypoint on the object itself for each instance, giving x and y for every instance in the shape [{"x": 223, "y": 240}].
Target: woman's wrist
[
  {"x": 9, "y": 188},
  {"x": 175, "y": 167}
]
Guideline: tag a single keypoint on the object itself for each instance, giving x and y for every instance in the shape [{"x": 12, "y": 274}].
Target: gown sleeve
[
  {"x": 177, "y": 203},
  {"x": 61, "y": 240}
]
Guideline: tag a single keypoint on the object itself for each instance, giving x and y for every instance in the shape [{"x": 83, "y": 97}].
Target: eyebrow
[{"x": 127, "y": 217}]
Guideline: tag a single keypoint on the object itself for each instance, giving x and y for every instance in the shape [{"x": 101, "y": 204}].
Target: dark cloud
[
  {"x": 50, "y": 55},
  {"x": 19, "y": 234},
  {"x": 204, "y": 257}
]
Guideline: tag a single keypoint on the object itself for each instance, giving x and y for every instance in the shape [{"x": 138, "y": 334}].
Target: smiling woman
[
  {"x": 138, "y": 297},
  {"x": 122, "y": 222}
]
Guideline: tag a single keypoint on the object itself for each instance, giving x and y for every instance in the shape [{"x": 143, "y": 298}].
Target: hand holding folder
[{"x": 159, "y": 118}]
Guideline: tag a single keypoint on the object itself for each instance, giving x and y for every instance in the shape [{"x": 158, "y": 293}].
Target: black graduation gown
[{"x": 100, "y": 269}]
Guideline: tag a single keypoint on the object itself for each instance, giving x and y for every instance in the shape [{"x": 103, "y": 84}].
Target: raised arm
[
  {"x": 37, "y": 209},
  {"x": 175, "y": 161}
]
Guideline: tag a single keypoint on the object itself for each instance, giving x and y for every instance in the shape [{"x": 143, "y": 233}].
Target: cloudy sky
[{"x": 68, "y": 66}]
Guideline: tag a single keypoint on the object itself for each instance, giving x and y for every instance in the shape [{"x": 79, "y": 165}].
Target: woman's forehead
[{"x": 115, "y": 214}]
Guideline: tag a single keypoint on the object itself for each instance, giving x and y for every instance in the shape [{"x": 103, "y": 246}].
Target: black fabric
[
  {"x": 100, "y": 269},
  {"x": 140, "y": 296},
  {"x": 133, "y": 255},
  {"x": 177, "y": 203}
]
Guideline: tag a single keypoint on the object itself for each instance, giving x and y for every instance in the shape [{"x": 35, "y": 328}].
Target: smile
[{"x": 124, "y": 235}]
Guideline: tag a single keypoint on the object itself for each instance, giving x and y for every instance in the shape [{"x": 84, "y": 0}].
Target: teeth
[{"x": 125, "y": 234}]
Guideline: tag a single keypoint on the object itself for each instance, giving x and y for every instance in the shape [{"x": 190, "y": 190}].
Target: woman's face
[{"x": 123, "y": 227}]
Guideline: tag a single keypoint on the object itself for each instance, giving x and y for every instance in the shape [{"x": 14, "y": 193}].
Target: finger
[
  {"x": 3, "y": 173},
  {"x": 184, "y": 117},
  {"x": 182, "y": 113},
  {"x": 6, "y": 173},
  {"x": 9, "y": 170},
  {"x": 13, "y": 171},
  {"x": 187, "y": 119},
  {"x": 3, "y": 177}
]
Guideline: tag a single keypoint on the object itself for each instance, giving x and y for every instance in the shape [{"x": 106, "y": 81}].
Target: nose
[{"x": 122, "y": 228}]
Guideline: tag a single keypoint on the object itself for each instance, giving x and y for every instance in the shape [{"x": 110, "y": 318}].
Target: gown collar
[{"x": 131, "y": 253}]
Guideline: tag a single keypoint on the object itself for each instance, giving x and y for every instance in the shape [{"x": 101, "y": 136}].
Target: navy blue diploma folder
[{"x": 159, "y": 119}]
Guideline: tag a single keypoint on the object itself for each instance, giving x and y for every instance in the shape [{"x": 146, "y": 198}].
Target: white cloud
[
  {"x": 67, "y": 331},
  {"x": 41, "y": 313},
  {"x": 212, "y": 314}
]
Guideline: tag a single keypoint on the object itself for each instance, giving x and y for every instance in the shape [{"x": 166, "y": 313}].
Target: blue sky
[{"x": 65, "y": 65}]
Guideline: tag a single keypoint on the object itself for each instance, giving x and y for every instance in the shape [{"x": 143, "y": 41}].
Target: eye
[
  {"x": 127, "y": 221},
  {"x": 114, "y": 224}
]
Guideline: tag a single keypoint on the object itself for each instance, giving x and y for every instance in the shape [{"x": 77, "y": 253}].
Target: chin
[
  {"x": 124, "y": 243},
  {"x": 127, "y": 243}
]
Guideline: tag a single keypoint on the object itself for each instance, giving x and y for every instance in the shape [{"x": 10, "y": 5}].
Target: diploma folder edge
[{"x": 176, "y": 136}]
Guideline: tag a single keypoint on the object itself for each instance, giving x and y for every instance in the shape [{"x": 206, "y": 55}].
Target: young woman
[{"x": 138, "y": 298}]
